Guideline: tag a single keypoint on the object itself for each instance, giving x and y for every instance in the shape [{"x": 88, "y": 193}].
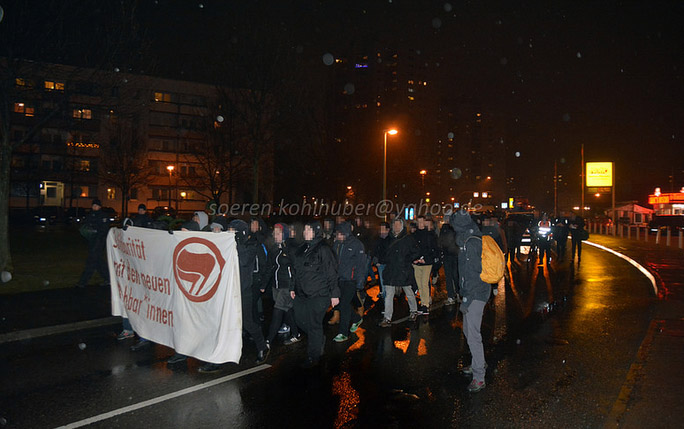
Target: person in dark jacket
[
  {"x": 514, "y": 233},
  {"x": 351, "y": 272},
  {"x": 422, "y": 266},
  {"x": 281, "y": 275},
  {"x": 577, "y": 234},
  {"x": 247, "y": 250},
  {"x": 379, "y": 255},
  {"x": 96, "y": 227},
  {"x": 474, "y": 291},
  {"x": 315, "y": 288},
  {"x": 449, "y": 249},
  {"x": 560, "y": 235},
  {"x": 259, "y": 232},
  {"x": 142, "y": 219},
  {"x": 401, "y": 252}
]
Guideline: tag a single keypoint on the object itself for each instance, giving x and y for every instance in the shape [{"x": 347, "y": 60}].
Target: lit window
[
  {"x": 83, "y": 165},
  {"x": 412, "y": 98},
  {"x": 162, "y": 97},
  {"x": 83, "y": 114},
  {"x": 24, "y": 109},
  {"x": 111, "y": 193},
  {"x": 54, "y": 86},
  {"x": 20, "y": 82},
  {"x": 19, "y": 107}
]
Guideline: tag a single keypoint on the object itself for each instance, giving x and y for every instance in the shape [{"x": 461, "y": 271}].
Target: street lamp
[
  {"x": 384, "y": 166},
  {"x": 170, "y": 168},
  {"x": 422, "y": 179}
]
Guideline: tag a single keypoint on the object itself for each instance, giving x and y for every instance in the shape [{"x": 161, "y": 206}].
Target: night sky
[{"x": 605, "y": 74}]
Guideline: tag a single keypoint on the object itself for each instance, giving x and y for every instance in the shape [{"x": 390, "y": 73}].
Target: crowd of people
[{"x": 304, "y": 271}]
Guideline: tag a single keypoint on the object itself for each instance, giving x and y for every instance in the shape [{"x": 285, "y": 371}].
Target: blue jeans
[{"x": 381, "y": 268}]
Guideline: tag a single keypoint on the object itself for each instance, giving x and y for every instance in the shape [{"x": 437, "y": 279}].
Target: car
[
  {"x": 48, "y": 215},
  {"x": 163, "y": 211}
]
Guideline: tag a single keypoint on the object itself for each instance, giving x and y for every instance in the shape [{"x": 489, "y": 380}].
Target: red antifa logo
[{"x": 197, "y": 267}]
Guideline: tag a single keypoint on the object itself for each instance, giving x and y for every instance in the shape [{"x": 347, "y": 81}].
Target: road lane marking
[
  {"x": 164, "y": 398},
  {"x": 631, "y": 261},
  {"x": 28, "y": 334}
]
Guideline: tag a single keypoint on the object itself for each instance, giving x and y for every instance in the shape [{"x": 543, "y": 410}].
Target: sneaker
[
  {"x": 125, "y": 334},
  {"x": 424, "y": 310},
  {"x": 284, "y": 329},
  {"x": 340, "y": 338},
  {"x": 413, "y": 316},
  {"x": 469, "y": 370},
  {"x": 386, "y": 323},
  {"x": 476, "y": 386},
  {"x": 176, "y": 358},
  {"x": 142, "y": 343},
  {"x": 355, "y": 326},
  {"x": 209, "y": 368},
  {"x": 262, "y": 355},
  {"x": 450, "y": 301},
  {"x": 293, "y": 340}
]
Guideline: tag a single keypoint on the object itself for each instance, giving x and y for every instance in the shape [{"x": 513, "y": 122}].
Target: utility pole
[
  {"x": 555, "y": 188},
  {"x": 582, "y": 177}
]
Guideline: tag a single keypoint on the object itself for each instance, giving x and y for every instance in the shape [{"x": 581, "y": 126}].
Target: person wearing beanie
[
  {"x": 142, "y": 219},
  {"x": 246, "y": 255},
  {"x": 474, "y": 292},
  {"x": 315, "y": 288},
  {"x": 402, "y": 250},
  {"x": 94, "y": 229},
  {"x": 280, "y": 274}
]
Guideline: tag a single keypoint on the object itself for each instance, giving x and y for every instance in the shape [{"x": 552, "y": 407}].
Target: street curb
[
  {"x": 638, "y": 266},
  {"x": 29, "y": 334}
]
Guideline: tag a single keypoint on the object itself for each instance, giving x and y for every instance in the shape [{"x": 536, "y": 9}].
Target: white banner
[{"x": 181, "y": 290}]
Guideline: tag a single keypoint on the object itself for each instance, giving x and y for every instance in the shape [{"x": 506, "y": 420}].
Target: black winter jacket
[
  {"x": 316, "y": 270},
  {"x": 351, "y": 257},
  {"x": 469, "y": 240},
  {"x": 281, "y": 267},
  {"x": 427, "y": 243},
  {"x": 401, "y": 252}
]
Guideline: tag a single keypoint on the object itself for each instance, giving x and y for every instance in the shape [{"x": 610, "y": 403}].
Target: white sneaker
[{"x": 450, "y": 301}]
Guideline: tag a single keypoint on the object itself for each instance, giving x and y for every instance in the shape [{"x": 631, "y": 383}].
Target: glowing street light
[
  {"x": 384, "y": 166},
  {"x": 170, "y": 168}
]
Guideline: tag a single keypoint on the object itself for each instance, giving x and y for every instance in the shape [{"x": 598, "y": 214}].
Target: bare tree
[{"x": 123, "y": 157}]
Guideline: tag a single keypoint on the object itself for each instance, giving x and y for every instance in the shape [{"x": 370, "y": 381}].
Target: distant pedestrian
[
  {"x": 560, "y": 235},
  {"x": 402, "y": 250},
  {"x": 577, "y": 233},
  {"x": 315, "y": 288},
  {"x": 94, "y": 230},
  {"x": 142, "y": 219},
  {"x": 474, "y": 291},
  {"x": 422, "y": 266}
]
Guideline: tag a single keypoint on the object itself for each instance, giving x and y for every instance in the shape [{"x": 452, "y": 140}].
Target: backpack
[{"x": 493, "y": 260}]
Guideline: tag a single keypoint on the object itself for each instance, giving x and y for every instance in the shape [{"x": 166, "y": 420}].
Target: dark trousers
[
  {"x": 95, "y": 261},
  {"x": 576, "y": 245},
  {"x": 347, "y": 313},
  {"x": 277, "y": 321},
  {"x": 309, "y": 314},
  {"x": 451, "y": 275},
  {"x": 561, "y": 244},
  {"x": 248, "y": 323},
  {"x": 544, "y": 249}
]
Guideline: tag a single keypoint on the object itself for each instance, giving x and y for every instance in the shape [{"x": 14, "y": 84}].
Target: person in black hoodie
[
  {"x": 351, "y": 271},
  {"x": 247, "y": 250},
  {"x": 422, "y": 266},
  {"x": 379, "y": 255},
  {"x": 281, "y": 275},
  {"x": 401, "y": 252},
  {"x": 449, "y": 249},
  {"x": 258, "y": 232},
  {"x": 315, "y": 288}
]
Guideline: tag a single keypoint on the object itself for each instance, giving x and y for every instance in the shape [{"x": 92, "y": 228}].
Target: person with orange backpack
[{"x": 475, "y": 292}]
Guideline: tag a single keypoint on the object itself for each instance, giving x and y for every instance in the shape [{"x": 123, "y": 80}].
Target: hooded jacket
[
  {"x": 316, "y": 267},
  {"x": 402, "y": 250},
  {"x": 469, "y": 259},
  {"x": 202, "y": 219},
  {"x": 260, "y": 274},
  {"x": 351, "y": 257},
  {"x": 246, "y": 255},
  {"x": 447, "y": 241}
]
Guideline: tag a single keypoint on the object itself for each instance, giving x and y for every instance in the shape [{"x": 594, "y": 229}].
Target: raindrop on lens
[
  {"x": 349, "y": 88},
  {"x": 517, "y": 341},
  {"x": 517, "y": 154},
  {"x": 328, "y": 59},
  {"x": 81, "y": 346},
  {"x": 436, "y": 22},
  {"x": 579, "y": 55},
  {"x": 447, "y": 7},
  {"x": 450, "y": 135},
  {"x": 456, "y": 173}
]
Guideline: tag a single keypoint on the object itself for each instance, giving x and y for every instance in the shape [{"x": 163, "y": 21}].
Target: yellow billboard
[{"x": 599, "y": 174}]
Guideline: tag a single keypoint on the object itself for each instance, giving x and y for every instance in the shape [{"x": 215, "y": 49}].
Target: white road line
[
  {"x": 631, "y": 261},
  {"x": 163, "y": 398}
]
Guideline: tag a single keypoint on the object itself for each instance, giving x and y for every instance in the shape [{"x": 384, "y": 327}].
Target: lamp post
[
  {"x": 170, "y": 168},
  {"x": 384, "y": 166},
  {"x": 422, "y": 179}
]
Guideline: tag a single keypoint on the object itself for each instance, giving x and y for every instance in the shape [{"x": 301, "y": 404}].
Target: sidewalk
[{"x": 650, "y": 396}]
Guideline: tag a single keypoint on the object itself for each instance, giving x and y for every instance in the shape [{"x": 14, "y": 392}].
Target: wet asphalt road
[{"x": 557, "y": 365}]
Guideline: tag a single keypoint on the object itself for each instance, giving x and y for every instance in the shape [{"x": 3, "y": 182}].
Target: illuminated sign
[
  {"x": 599, "y": 174},
  {"x": 655, "y": 199}
]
